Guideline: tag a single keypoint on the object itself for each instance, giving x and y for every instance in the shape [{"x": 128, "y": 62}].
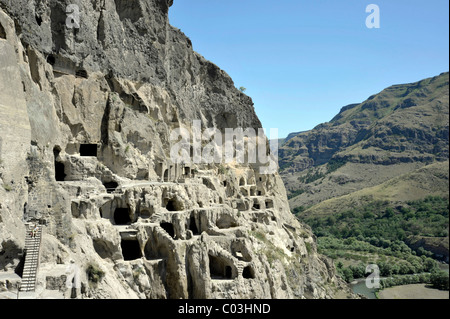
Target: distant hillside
[
  {"x": 403, "y": 123},
  {"x": 378, "y": 169}
]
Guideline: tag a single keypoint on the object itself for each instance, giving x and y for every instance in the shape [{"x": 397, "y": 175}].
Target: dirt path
[{"x": 417, "y": 291}]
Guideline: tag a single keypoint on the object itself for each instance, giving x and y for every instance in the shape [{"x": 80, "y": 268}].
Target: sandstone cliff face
[{"x": 86, "y": 116}]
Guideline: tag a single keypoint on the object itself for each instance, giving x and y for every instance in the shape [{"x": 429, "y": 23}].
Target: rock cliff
[{"x": 86, "y": 117}]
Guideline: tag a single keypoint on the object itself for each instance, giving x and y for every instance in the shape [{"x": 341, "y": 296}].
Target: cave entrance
[
  {"x": 146, "y": 213},
  {"x": 122, "y": 216},
  {"x": 59, "y": 172},
  {"x": 228, "y": 272},
  {"x": 218, "y": 268},
  {"x": 131, "y": 249},
  {"x": 248, "y": 273},
  {"x": 166, "y": 175},
  {"x": 153, "y": 250},
  {"x": 256, "y": 205},
  {"x": 101, "y": 248},
  {"x": 110, "y": 186},
  {"x": 242, "y": 182},
  {"x": 81, "y": 73},
  {"x": 2, "y": 32},
  {"x": 172, "y": 205},
  {"x": 193, "y": 226},
  {"x": 168, "y": 227},
  {"x": 59, "y": 167},
  {"x": 51, "y": 60},
  {"x": 88, "y": 150},
  {"x": 269, "y": 203}
]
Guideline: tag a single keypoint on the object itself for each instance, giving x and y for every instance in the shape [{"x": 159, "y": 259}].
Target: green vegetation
[
  {"x": 222, "y": 169},
  {"x": 311, "y": 176},
  {"x": 315, "y": 174},
  {"x": 242, "y": 89},
  {"x": 379, "y": 223},
  {"x": 295, "y": 193},
  {"x": 298, "y": 210},
  {"x": 94, "y": 273},
  {"x": 400, "y": 261},
  {"x": 7, "y": 187},
  {"x": 335, "y": 164},
  {"x": 440, "y": 280},
  {"x": 377, "y": 233},
  {"x": 405, "y": 280}
]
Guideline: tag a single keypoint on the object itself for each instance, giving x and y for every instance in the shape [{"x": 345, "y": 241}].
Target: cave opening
[
  {"x": 218, "y": 268},
  {"x": 228, "y": 272},
  {"x": 269, "y": 204},
  {"x": 256, "y": 205},
  {"x": 59, "y": 167},
  {"x": 242, "y": 182},
  {"x": 122, "y": 216},
  {"x": 110, "y": 186},
  {"x": 51, "y": 59},
  {"x": 101, "y": 248},
  {"x": 168, "y": 227},
  {"x": 130, "y": 249},
  {"x": 166, "y": 175},
  {"x": 193, "y": 226},
  {"x": 81, "y": 73},
  {"x": 248, "y": 273},
  {"x": 2, "y": 32},
  {"x": 59, "y": 172},
  {"x": 88, "y": 150},
  {"x": 172, "y": 205},
  {"x": 38, "y": 19},
  {"x": 154, "y": 250},
  {"x": 146, "y": 213}
]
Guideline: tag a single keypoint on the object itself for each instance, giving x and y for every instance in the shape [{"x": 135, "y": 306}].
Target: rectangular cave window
[
  {"x": 130, "y": 249},
  {"x": 269, "y": 204},
  {"x": 88, "y": 150},
  {"x": 248, "y": 273},
  {"x": 256, "y": 205},
  {"x": 122, "y": 216},
  {"x": 168, "y": 227},
  {"x": 218, "y": 268},
  {"x": 59, "y": 172}
]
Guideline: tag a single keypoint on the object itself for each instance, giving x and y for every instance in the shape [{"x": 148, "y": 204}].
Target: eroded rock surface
[{"x": 86, "y": 116}]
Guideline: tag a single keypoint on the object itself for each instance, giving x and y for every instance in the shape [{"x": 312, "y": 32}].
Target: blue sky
[{"x": 302, "y": 60}]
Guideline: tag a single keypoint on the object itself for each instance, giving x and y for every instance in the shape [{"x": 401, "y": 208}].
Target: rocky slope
[
  {"x": 397, "y": 131},
  {"x": 391, "y": 149},
  {"x": 86, "y": 117}
]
